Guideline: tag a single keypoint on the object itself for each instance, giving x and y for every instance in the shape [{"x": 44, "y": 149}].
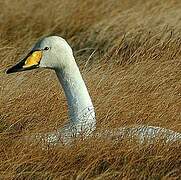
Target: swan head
[{"x": 50, "y": 52}]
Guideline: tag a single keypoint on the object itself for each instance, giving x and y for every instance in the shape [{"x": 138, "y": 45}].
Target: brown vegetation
[{"x": 129, "y": 53}]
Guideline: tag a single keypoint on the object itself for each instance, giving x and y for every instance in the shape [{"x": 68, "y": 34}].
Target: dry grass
[{"x": 130, "y": 56}]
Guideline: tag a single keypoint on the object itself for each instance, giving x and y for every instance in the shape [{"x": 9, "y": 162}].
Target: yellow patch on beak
[{"x": 33, "y": 59}]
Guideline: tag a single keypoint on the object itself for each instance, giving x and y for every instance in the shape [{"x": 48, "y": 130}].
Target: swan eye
[{"x": 46, "y": 48}]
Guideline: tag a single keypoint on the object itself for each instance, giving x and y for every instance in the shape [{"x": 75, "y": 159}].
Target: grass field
[{"x": 129, "y": 53}]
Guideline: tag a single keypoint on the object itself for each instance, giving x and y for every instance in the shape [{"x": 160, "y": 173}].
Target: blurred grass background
[{"x": 129, "y": 54}]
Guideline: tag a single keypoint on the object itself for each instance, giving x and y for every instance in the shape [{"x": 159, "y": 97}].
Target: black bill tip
[
  {"x": 9, "y": 71},
  {"x": 18, "y": 67}
]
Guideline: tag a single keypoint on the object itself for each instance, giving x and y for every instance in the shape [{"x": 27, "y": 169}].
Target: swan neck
[{"x": 80, "y": 107}]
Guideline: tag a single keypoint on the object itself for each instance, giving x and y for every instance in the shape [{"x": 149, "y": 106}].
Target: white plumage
[{"x": 58, "y": 55}]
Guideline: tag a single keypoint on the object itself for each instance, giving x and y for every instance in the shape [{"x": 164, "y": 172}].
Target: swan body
[{"x": 55, "y": 53}]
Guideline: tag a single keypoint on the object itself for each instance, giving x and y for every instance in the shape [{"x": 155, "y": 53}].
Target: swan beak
[{"x": 31, "y": 61}]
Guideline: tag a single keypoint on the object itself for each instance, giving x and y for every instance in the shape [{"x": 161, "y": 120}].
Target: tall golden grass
[{"x": 129, "y": 53}]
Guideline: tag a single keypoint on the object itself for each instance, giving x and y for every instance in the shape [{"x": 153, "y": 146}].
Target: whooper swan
[{"x": 55, "y": 53}]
